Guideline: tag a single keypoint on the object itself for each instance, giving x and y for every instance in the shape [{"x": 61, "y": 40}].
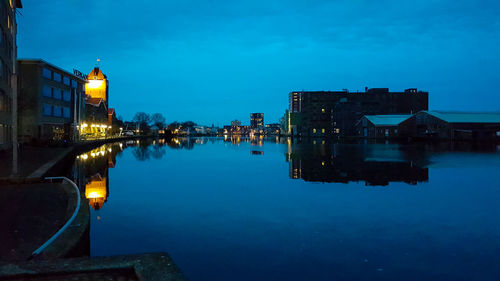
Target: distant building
[
  {"x": 325, "y": 113},
  {"x": 458, "y": 125},
  {"x": 235, "y": 123},
  {"x": 386, "y": 126},
  {"x": 273, "y": 129},
  {"x": 51, "y": 102},
  {"x": 256, "y": 120},
  {"x": 8, "y": 60}
]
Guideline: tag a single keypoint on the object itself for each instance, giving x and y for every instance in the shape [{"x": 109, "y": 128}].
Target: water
[{"x": 314, "y": 210}]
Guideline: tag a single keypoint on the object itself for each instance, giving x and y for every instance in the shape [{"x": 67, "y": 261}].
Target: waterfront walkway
[{"x": 31, "y": 159}]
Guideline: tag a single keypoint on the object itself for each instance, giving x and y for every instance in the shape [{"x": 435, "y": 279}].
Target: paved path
[{"x": 31, "y": 159}]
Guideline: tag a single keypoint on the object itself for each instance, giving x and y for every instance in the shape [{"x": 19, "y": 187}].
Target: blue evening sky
[{"x": 215, "y": 61}]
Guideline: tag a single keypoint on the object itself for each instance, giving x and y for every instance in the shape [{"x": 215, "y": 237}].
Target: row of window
[
  {"x": 55, "y": 93},
  {"x": 337, "y": 131},
  {"x": 52, "y": 75},
  {"x": 56, "y": 111}
]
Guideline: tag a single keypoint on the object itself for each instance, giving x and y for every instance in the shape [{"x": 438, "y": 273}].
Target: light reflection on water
[{"x": 270, "y": 209}]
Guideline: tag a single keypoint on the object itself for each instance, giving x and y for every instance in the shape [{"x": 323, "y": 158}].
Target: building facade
[
  {"x": 51, "y": 103},
  {"x": 386, "y": 126},
  {"x": 458, "y": 125},
  {"x": 335, "y": 113},
  {"x": 98, "y": 123},
  {"x": 8, "y": 60},
  {"x": 256, "y": 120}
]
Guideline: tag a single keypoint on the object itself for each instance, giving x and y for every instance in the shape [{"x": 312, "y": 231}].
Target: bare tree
[
  {"x": 158, "y": 120},
  {"x": 143, "y": 120}
]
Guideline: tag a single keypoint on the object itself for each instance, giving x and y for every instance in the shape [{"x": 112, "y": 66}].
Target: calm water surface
[{"x": 313, "y": 210}]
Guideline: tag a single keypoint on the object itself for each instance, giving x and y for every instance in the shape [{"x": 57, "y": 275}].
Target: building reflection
[
  {"x": 374, "y": 164},
  {"x": 91, "y": 170},
  {"x": 96, "y": 191}
]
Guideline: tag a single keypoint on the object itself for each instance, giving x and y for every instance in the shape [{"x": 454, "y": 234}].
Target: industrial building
[
  {"x": 386, "y": 126},
  {"x": 336, "y": 113},
  {"x": 458, "y": 125}
]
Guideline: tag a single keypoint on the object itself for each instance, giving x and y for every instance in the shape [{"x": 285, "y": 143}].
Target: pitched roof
[
  {"x": 97, "y": 73},
  {"x": 466, "y": 117},
  {"x": 387, "y": 120},
  {"x": 94, "y": 101},
  {"x": 111, "y": 111}
]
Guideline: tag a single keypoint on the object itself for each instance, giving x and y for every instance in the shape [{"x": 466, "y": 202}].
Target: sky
[{"x": 215, "y": 61}]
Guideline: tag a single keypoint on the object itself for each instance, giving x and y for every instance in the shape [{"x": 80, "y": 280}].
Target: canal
[{"x": 269, "y": 209}]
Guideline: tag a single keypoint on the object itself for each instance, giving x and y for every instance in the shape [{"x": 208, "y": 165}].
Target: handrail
[{"x": 65, "y": 226}]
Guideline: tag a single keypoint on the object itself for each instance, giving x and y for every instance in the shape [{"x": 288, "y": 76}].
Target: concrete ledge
[{"x": 145, "y": 267}]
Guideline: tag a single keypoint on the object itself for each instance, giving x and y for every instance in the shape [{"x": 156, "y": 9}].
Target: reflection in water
[
  {"x": 91, "y": 170},
  {"x": 348, "y": 232},
  {"x": 96, "y": 191},
  {"x": 375, "y": 164}
]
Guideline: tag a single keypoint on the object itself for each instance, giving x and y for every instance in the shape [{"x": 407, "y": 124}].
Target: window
[
  {"x": 57, "y": 77},
  {"x": 323, "y": 110},
  {"x": 74, "y": 84},
  {"x": 57, "y": 94},
  {"x": 66, "y": 80},
  {"x": 322, "y": 131},
  {"x": 314, "y": 131},
  {"x": 57, "y": 111},
  {"x": 47, "y": 73},
  {"x": 47, "y": 91},
  {"x": 66, "y": 95},
  {"x": 66, "y": 112},
  {"x": 47, "y": 109}
]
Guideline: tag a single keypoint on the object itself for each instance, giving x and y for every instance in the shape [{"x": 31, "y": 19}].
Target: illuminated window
[
  {"x": 323, "y": 110},
  {"x": 337, "y": 131},
  {"x": 323, "y": 131},
  {"x": 314, "y": 131}
]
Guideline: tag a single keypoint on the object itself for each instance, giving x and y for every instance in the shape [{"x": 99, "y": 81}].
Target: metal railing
[{"x": 67, "y": 224}]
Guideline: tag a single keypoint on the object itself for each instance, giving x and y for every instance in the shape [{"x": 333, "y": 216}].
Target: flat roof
[
  {"x": 40, "y": 61},
  {"x": 388, "y": 120},
  {"x": 466, "y": 117}
]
